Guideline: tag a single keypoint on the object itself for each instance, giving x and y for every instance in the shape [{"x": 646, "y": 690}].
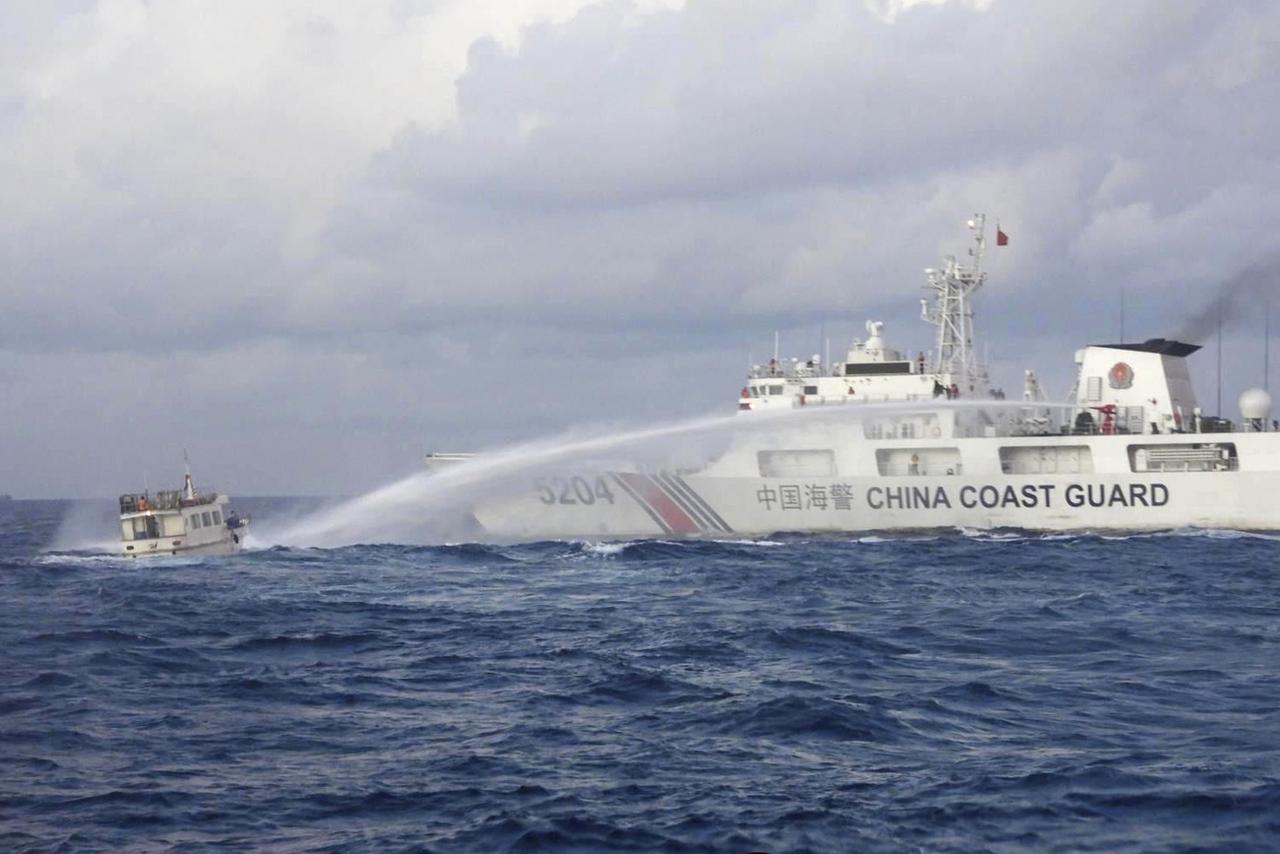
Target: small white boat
[{"x": 180, "y": 521}]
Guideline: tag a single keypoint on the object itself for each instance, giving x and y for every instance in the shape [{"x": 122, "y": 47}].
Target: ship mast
[{"x": 952, "y": 312}]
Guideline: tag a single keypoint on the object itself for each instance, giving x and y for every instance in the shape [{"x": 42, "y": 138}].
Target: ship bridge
[{"x": 872, "y": 371}]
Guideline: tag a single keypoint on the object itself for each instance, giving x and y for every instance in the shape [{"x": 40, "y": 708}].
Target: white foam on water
[
  {"x": 991, "y": 536},
  {"x": 1226, "y": 534},
  {"x": 768, "y": 544},
  {"x": 1190, "y": 533},
  {"x": 61, "y": 558},
  {"x": 603, "y": 549},
  {"x": 142, "y": 562}
]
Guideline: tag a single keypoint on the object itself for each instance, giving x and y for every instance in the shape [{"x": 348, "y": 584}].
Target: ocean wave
[
  {"x": 945, "y": 690},
  {"x": 823, "y": 639},
  {"x": 808, "y": 718},
  {"x": 317, "y": 640}
]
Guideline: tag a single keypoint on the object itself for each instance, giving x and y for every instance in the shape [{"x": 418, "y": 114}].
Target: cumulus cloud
[{"x": 365, "y": 220}]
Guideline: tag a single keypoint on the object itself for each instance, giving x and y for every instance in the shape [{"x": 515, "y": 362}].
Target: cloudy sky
[{"x": 309, "y": 241}]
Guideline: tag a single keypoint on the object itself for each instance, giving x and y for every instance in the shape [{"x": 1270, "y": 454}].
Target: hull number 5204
[{"x": 573, "y": 490}]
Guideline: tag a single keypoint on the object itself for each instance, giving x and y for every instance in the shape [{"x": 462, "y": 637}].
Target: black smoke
[{"x": 1245, "y": 295}]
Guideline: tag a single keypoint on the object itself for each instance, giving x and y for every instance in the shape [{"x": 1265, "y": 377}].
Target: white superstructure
[
  {"x": 891, "y": 441},
  {"x": 179, "y": 521}
]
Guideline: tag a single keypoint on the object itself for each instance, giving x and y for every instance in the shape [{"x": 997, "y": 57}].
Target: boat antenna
[
  {"x": 188, "y": 489},
  {"x": 1266, "y": 344},
  {"x": 775, "y": 345},
  {"x": 1219, "y": 360}
]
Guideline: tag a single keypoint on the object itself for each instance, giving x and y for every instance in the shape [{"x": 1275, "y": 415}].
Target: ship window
[
  {"x": 195, "y": 520},
  {"x": 894, "y": 462},
  {"x": 863, "y": 369},
  {"x": 891, "y": 430},
  {"x": 127, "y": 529},
  {"x": 217, "y": 518},
  {"x": 805, "y": 463},
  {"x": 1046, "y": 459},
  {"x": 811, "y": 389},
  {"x": 145, "y": 528},
  {"x": 775, "y": 389},
  {"x": 204, "y": 517},
  {"x": 1189, "y": 456}
]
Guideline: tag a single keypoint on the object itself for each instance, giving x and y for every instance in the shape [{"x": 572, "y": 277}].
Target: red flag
[{"x": 1002, "y": 239}]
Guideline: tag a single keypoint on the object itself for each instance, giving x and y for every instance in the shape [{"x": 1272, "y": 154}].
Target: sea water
[{"x": 958, "y": 692}]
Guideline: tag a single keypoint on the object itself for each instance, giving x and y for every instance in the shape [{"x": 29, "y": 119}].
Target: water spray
[{"x": 431, "y": 507}]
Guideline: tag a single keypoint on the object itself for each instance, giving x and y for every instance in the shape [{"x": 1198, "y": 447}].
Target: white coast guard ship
[
  {"x": 179, "y": 521},
  {"x": 881, "y": 441}
]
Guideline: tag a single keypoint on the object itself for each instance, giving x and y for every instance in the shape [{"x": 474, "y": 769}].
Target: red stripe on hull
[{"x": 677, "y": 520}]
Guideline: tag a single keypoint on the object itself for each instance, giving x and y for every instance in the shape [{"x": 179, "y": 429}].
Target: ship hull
[
  {"x": 226, "y": 546},
  {"x": 716, "y": 503},
  {"x": 758, "y": 507}
]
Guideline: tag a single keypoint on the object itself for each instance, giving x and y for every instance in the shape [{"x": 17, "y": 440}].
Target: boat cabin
[{"x": 173, "y": 521}]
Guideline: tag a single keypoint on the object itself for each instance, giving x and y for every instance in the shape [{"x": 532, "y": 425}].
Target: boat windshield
[{"x": 141, "y": 528}]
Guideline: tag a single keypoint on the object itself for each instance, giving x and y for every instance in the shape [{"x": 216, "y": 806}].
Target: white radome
[{"x": 1255, "y": 404}]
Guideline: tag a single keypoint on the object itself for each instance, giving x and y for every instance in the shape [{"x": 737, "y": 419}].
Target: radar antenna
[{"x": 952, "y": 311}]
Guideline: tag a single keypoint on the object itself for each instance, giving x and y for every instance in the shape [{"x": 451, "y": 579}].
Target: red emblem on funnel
[{"x": 1120, "y": 375}]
